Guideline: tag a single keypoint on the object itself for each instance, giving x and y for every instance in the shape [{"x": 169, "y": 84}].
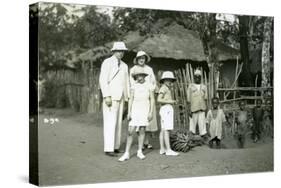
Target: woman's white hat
[
  {"x": 119, "y": 46},
  {"x": 168, "y": 75},
  {"x": 142, "y": 53}
]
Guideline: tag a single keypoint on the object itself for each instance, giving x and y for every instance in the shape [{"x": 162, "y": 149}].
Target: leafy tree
[
  {"x": 93, "y": 28},
  {"x": 62, "y": 31},
  {"x": 54, "y": 32}
]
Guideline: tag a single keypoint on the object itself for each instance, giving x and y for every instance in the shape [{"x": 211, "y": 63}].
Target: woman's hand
[
  {"x": 150, "y": 117},
  {"x": 129, "y": 116}
]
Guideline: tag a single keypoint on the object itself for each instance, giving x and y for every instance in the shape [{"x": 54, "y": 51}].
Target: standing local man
[
  {"x": 114, "y": 83},
  {"x": 197, "y": 100}
]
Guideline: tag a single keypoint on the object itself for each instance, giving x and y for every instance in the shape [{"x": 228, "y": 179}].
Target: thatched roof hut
[
  {"x": 92, "y": 55},
  {"x": 173, "y": 41},
  {"x": 226, "y": 53},
  {"x": 228, "y": 58}
]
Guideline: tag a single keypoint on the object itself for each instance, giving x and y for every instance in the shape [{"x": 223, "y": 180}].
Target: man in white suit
[{"x": 114, "y": 83}]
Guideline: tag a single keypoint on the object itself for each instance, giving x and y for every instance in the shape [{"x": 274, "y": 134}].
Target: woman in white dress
[
  {"x": 141, "y": 61},
  {"x": 140, "y": 112}
]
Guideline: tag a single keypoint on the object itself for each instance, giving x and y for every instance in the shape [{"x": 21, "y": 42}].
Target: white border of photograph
[{"x": 14, "y": 89}]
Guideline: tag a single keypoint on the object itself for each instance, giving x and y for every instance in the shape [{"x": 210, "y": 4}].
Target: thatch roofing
[
  {"x": 94, "y": 54},
  {"x": 173, "y": 41}
]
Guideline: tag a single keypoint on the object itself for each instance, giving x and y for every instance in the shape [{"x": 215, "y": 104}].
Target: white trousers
[
  {"x": 112, "y": 125},
  {"x": 198, "y": 118}
]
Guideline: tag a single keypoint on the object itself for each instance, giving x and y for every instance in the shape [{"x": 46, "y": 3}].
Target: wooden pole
[
  {"x": 191, "y": 73},
  {"x": 206, "y": 83},
  {"x": 187, "y": 72},
  {"x": 178, "y": 98},
  {"x": 256, "y": 83},
  {"x": 236, "y": 72}
]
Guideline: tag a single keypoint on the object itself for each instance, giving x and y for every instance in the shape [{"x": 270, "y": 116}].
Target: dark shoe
[
  {"x": 218, "y": 143},
  {"x": 147, "y": 146},
  {"x": 119, "y": 151},
  {"x": 211, "y": 143},
  {"x": 111, "y": 154}
]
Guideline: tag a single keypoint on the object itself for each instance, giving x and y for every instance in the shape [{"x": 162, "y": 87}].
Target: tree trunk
[
  {"x": 244, "y": 50},
  {"x": 265, "y": 61},
  {"x": 210, "y": 39}
]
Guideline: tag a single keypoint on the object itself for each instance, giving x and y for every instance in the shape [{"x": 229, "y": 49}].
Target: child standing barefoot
[
  {"x": 166, "y": 113},
  {"x": 241, "y": 121},
  {"x": 140, "y": 111},
  {"x": 215, "y": 119},
  {"x": 268, "y": 119},
  {"x": 258, "y": 117}
]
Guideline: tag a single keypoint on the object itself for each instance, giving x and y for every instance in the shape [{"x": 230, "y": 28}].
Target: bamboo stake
[
  {"x": 208, "y": 94},
  {"x": 180, "y": 97},
  {"x": 184, "y": 97},
  {"x": 236, "y": 72},
  {"x": 191, "y": 73},
  {"x": 202, "y": 77},
  {"x": 217, "y": 83},
  {"x": 212, "y": 81},
  {"x": 177, "y": 98},
  {"x": 236, "y": 78},
  {"x": 187, "y": 72},
  {"x": 256, "y": 83}
]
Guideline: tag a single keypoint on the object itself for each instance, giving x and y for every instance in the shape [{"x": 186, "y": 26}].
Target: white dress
[
  {"x": 140, "y": 104},
  {"x": 150, "y": 79},
  {"x": 215, "y": 122}
]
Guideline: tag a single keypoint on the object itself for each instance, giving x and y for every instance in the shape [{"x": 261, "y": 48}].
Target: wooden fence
[
  {"x": 78, "y": 90},
  {"x": 229, "y": 97}
]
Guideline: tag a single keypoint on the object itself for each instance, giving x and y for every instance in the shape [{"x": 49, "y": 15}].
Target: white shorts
[{"x": 167, "y": 117}]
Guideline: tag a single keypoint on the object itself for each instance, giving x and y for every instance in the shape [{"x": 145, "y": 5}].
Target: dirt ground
[{"x": 71, "y": 152}]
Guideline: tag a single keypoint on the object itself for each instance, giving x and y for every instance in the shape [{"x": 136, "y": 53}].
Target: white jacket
[{"x": 114, "y": 79}]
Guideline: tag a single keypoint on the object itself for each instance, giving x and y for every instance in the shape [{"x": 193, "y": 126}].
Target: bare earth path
[{"x": 71, "y": 152}]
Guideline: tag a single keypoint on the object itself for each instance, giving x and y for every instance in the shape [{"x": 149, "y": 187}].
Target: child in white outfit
[
  {"x": 166, "y": 113},
  {"x": 140, "y": 112},
  {"x": 216, "y": 120}
]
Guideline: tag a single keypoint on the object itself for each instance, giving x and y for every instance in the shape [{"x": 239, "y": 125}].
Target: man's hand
[
  {"x": 150, "y": 117},
  {"x": 108, "y": 101},
  {"x": 189, "y": 111}
]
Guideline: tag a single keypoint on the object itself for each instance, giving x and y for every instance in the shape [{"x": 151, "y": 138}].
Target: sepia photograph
[{"x": 126, "y": 94}]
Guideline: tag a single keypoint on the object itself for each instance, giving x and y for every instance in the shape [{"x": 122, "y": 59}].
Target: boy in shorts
[{"x": 166, "y": 113}]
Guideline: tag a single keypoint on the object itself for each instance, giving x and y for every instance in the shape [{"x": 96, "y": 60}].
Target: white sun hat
[
  {"x": 168, "y": 75},
  {"x": 139, "y": 71},
  {"x": 142, "y": 53},
  {"x": 197, "y": 72},
  {"x": 119, "y": 46}
]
